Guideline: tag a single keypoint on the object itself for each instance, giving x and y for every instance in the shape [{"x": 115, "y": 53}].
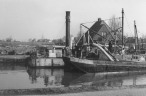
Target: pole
[
  {"x": 122, "y": 24},
  {"x": 142, "y": 43},
  {"x": 135, "y": 37},
  {"x": 80, "y": 30},
  {"x": 115, "y": 41},
  {"x": 67, "y": 28},
  {"x": 88, "y": 37}
]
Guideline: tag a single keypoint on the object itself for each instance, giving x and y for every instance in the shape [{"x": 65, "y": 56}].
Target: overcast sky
[{"x": 24, "y": 19}]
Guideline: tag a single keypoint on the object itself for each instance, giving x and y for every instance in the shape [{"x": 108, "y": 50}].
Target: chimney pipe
[
  {"x": 67, "y": 28},
  {"x": 122, "y": 26},
  {"x": 99, "y": 19}
]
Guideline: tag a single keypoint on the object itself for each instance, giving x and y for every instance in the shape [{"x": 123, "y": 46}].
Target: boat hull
[
  {"x": 67, "y": 64},
  {"x": 90, "y": 66}
]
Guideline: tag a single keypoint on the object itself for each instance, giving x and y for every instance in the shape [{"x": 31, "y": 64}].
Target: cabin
[
  {"x": 58, "y": 50},
  {"x": 52, "y": 50}
]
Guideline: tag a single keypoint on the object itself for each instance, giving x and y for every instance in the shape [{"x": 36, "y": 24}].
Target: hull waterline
[{"x": 91, "y": 66}]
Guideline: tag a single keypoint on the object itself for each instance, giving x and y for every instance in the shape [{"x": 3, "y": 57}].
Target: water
[{"x": 20, "y": 76}]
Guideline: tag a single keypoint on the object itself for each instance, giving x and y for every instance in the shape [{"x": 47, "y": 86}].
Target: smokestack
[
  {"x": 122, "y": 26},
  {"x": 99, "y": 19},
  {"x": 67, "y": 28}
]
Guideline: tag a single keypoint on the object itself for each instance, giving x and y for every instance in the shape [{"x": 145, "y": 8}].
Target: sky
[{"x": 27, "y": 19}]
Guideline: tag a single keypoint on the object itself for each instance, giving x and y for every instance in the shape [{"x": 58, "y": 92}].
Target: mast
[
  {"x": 142, "y": 43},
  {"x": 122, "y": 25},
  {"x": 136, "y": 37},
  {"x": 67, "y": 28},
  {"x": 88, "y": 38}
]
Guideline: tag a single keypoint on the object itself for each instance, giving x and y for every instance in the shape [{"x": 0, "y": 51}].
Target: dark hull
[
  {"x": 66, "y": 60},
  {"x": 107, "y": 66},
  {"x": 68, "y": 66}
]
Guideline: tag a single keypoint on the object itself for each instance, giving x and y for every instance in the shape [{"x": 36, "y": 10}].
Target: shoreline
[{"x": 64, "y": 90}]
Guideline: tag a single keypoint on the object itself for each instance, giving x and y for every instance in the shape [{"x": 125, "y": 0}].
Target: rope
[
  {"x": 113, "y": 18},
  {"x": 89, "y": 22},
  {"x": 103, "y": 20},
  {"x": 128, "y": 26},
  {"x": 127, "y": 23},
  {"x": 61, "y": 30}
]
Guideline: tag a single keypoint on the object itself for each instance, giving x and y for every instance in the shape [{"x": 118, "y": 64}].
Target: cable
[
  {"x": 61, "y": 30},
  {"x": 128, "y": 23},
  {"x": 113, "y": 18},
  {"x": 88, "y": 22},
  {"x": 103, "y": 20}
]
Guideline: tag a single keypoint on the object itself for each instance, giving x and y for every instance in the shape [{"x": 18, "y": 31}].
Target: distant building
[
  {"x": 102, "y": 33},
  {"x": 130, "y": 42}
]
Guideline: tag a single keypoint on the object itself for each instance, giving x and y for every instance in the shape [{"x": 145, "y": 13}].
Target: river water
[{"x": 20, "y": 76}]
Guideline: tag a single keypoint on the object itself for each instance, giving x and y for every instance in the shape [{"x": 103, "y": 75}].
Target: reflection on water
[
  {"x": 111, "y": 79},
  {"x": 49, "y": 76},
  {"x": 12, "y": 66},
  {"x": 20, "y": 76},
  {"x": 69, "y": 77}
]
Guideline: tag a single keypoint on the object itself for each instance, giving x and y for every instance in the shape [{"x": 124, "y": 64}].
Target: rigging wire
[
  {"x": 127, "y": 23},
  {"x": 103, "y": 20},
  {"x": 62, "y": 29},
  {"x": 88, "y": 22},
  {"x": 84, "y": 23},
  {"x": 113, "y": 18}
]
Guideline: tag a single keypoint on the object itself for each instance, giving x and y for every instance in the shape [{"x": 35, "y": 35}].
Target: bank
[{"x": 67, "y": 90}]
